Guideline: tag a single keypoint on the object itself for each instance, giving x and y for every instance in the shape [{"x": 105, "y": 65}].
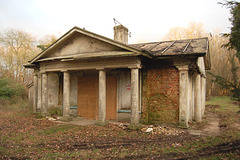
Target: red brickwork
[{"x": 161, "y": 93}]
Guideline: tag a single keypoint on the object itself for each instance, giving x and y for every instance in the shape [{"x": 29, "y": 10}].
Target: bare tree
[
  {"x": 17, "y": 47},
  {"x": 193, "y": 30},
  {"x": 46, "y": 42}
]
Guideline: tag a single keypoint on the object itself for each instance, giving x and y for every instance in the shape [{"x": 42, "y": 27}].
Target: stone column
[
  {"x": 102, "y": 98},
  {"x": 66, "y": 93},
  {"x": 39, "y": 100},
  {"x": 44, "y": 93},
  {"x": 197, "y": 111},
  {"x": 183, "y": 96},
  {"x": 203, "y": 91},
  {"x": 35, "y": 92},
  {"x": 135, "y": 96}
]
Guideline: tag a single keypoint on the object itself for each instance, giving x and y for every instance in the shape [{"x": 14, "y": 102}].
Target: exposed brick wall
[{"x": 161, "y": 92}]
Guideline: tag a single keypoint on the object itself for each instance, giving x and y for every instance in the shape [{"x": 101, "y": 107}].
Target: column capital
[
  {"x": 64, "y": 71},
  {"x": 182, "y": 67},
  {"x": 36, "y": 70},
  {"x": 137, "y": 66},
  {"x": 42, "y": 72},
  {"x": 100, "y": 69}
]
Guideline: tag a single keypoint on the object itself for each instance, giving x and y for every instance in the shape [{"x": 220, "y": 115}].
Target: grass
[
  {"x": 228, "y": 115},
  {"x": 225, "y": 103},
  {"x": 14, "y": 104},
  {"x": 56, "y": 129}
]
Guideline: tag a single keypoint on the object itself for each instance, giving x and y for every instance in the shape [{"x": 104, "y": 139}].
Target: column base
[
  {"x": 101, "y": 123},
  {"x": 183, "y": 125},
  {"x": 66, "y": 118},
  {"x": 135, "y": 126}
]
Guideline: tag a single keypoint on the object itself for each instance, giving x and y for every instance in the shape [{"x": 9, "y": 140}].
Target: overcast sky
[{"x": 147, "y": 20}]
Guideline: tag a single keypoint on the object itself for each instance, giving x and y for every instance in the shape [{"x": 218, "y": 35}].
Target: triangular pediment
[{"x": 81, "y": 42}]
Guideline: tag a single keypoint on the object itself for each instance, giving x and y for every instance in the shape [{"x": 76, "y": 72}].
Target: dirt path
[
  {"x": 209, "y": 126},
  {"x": 212, "y": 127}
]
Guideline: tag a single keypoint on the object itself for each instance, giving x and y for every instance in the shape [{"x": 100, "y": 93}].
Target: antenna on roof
[{"x": 116, "y": 22}]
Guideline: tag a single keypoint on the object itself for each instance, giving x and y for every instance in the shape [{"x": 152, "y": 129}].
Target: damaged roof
[{"x": 197, "y": 46}]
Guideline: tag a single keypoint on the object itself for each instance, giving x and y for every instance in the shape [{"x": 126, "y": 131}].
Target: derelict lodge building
[{"x": 95, "y": 77}]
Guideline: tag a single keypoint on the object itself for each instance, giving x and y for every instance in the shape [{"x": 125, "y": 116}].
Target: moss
[
  {"x": 55, "y": 111},
  {"x": 158, "y": 109}
]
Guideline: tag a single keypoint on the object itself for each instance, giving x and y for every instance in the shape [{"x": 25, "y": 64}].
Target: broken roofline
[
  {"x": 93, "y": 35},
  {"x": 161, "y": 52}
]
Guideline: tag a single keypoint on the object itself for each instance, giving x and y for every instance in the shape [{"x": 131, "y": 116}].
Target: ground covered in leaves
[{"x": 24, "y": 136}]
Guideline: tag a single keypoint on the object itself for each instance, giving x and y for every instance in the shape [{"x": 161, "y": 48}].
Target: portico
[{"x": 94, "y": 77}]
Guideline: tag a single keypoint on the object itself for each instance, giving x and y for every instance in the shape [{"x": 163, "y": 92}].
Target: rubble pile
[
  {"x": 156, "y": 129},
  {"x": 53, "y": 118},
  {"x": 161, "y": 130}
]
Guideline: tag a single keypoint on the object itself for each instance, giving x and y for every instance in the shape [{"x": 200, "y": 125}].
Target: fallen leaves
[{"x": 22, "y": 136}]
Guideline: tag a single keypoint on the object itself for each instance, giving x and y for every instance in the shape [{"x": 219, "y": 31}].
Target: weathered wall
[
  {"x": 160, "y": 92},
  {"x": 124, "y": 90},
  {"x": 53, "y": 89},
  {"x": 82, "y": 44}
]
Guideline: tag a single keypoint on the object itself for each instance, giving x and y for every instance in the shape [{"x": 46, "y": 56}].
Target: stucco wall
[
  {"x": 160, "y": 93},
  {"x": 53, "y": 89},
  {"x": 124, "y": 90},
  {"x": 81, "y": 44}
]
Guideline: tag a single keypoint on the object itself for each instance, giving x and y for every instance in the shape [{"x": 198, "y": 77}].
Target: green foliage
[
  {"x": 42, "y": 47},
  {"x": 5, "y": 89},
  {"x": 46, "y": 42},
  {"x": 9, "y": 88},
  {"x": 234, "y": 36},
  {"x": 55, "y": 111},
  {"x": 234, "y": 43}
]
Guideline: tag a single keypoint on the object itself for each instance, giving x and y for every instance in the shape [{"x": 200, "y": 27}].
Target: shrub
[
  {"x": 55, "y": 111},
  {"x": 9, "y": 88},
  {"x": 11, "y": 92}
]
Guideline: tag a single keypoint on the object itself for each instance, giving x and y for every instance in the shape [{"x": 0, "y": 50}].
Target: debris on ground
[
  {"x": 161, "y": 130},
  {"x": 53, "y": 118},
  {"x": 156, "y": 129}
]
